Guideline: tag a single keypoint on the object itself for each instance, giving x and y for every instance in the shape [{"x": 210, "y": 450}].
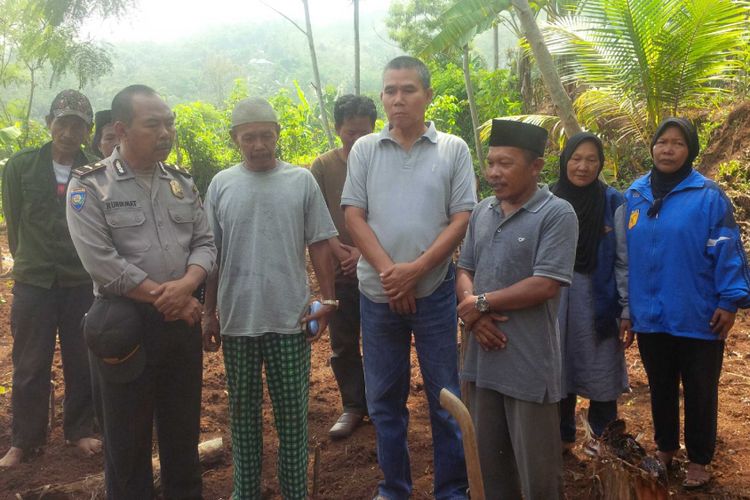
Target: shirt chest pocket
[
  {"x": 128, "y": 231},
  {"x": 182, "y": 222},
  {"x": 37, "y": 201}
]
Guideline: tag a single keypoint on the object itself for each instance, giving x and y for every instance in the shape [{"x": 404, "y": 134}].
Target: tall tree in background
[
  {"x": 466, "y": 18},
  {"x": 316, "y": 72},
  {"x": 356, "y": 47}
]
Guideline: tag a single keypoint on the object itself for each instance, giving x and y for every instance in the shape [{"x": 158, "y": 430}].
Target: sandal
[{"x": 696, "y": 477}]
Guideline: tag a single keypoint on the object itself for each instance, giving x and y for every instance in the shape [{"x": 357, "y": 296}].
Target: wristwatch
[
  {"x": 481, "y": 304},
  {"x": 330, "y": 302}
]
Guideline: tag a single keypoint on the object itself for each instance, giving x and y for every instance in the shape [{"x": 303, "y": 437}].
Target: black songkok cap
[
  {"x": 518, "y": 135},
  {"x": 103, "y": 118}
]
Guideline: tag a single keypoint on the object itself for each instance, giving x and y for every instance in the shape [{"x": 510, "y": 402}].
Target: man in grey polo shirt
[
  {"x": 518, "y": 251},
  {"x": 407, "y": 199}
]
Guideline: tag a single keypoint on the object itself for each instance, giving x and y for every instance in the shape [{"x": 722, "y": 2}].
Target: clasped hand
[
  {"x": 399, "y": 282},
  {"x": 482, "y": 325},
  {"x": 174, "y": 299}
]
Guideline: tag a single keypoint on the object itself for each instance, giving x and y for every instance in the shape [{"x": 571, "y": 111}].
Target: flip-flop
[{"x": 692, "y": 483}]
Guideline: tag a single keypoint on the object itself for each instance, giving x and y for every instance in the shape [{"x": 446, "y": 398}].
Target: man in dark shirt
[
  {"x": 355, "y": 117},
  {"x": 52, "y": 291}
]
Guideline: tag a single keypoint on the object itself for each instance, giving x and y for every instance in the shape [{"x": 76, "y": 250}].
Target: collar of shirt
[
  {"x": 430, "y": 134},
  {"x": 535, "y": 203},
  {"x": 116, "y": 160}
]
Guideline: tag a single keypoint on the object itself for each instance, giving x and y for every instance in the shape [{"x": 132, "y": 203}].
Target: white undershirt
[{"x": 62, "y": 172}]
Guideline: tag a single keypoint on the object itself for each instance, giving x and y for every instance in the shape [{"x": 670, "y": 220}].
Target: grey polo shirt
[
  {"x": 409, "y": 197},
  {"x": 537, "y": 240}
]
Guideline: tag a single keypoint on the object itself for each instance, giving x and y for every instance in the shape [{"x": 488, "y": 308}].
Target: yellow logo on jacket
[{"x": 633, "y": 218}]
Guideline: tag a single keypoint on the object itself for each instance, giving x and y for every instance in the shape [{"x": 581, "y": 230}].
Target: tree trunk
[
  {"x": 495, "y": 47},
  {"x": 550, "y": 76},
  {"x": 27, "y": 118},
  {"x": 316, "y": 76},
  {"x": 472, "y": 106},
  {"x": 356, "y": 48},
  {"x": 524, "y": 81}
]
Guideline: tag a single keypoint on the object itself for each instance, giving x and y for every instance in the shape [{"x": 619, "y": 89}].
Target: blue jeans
[{"x": 386, "y": 345}]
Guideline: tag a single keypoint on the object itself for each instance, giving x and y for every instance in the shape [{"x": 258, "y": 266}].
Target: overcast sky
[{"x": 163, "y": 20}]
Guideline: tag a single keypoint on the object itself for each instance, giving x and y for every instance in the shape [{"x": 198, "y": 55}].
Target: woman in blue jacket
[
  {"x": 688, "y": 275},
  {"x": 593, "y": 357}
]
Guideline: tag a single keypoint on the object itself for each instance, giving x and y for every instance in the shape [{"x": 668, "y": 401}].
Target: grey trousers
[
  {"x": 519, "y": 446},
  {"x": 38, "y": 317}
]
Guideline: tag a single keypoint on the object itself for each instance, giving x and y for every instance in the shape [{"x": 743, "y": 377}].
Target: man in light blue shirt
[{"x": 407, "y": 199}]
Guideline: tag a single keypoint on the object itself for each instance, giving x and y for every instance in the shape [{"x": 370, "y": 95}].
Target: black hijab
[
  {"x": 588, "y": 202},
  {"x": 661, "y": 183}
]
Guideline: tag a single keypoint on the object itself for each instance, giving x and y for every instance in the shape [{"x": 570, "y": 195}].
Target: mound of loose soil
[{"x": 731, "y": 141}]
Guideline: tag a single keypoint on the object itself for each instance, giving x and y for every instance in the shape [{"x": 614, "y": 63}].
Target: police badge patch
[{"x": 77, "y": 199}]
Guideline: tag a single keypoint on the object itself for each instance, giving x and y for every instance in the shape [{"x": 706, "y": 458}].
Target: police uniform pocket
[
  {"x": 128, "y": 232},
  {"x": 183, "y": 219}
]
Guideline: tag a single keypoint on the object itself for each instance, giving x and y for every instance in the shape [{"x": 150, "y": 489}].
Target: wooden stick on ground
[
  {"x": 456, "y": 408},
  {"x": 209, "y": 452}
]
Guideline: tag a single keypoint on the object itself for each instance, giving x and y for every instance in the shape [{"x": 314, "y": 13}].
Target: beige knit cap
[{"x": 253, "y": 110}]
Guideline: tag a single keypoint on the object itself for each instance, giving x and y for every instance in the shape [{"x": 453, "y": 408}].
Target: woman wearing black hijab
[
  {"x": 105, "y": 139},
  {"x": 593, "y": 359},
  {"x": 688, "y": 275}
]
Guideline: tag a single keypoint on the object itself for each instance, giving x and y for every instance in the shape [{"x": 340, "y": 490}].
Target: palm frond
[
  {"x": 552, "y": 123},
  {"x": 462, "y": 21}
]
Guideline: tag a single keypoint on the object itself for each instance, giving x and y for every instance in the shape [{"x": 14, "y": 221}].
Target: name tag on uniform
[{"x": 77, "y": 198}]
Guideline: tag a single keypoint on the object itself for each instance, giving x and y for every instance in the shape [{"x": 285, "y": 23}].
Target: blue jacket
[
  {"x": 607, "y": 301},
  {"x": 686, "y": 261}
]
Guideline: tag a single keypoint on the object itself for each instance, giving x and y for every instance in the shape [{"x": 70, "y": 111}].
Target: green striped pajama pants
[{"x": 287, "y": 360}]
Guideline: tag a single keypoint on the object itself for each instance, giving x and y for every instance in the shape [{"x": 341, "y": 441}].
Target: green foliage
[
  {"x": 443, "y": 110},
  {"x": 460, "y": 22},
  {"x": 643, "y": 60},
  {"x": 736, "y": 174},
  {"x": 40, "y": 38},
  {"x": 205, "y": 146},
  {"x": 302, "y": 137},
  {"x": 412, "y": 22},
  {"x": 203, "y": 141},
  {"x": 495, "y": 94}
]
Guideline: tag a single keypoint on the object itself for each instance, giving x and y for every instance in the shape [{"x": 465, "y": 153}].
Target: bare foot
[
  {"x": 89, "y": 446},
  {"x": 665, "y": 457},
  {"x": 12, "y": 458}
]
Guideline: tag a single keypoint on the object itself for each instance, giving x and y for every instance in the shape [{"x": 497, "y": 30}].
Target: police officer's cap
[
  {"x": 113, "y": 330},
  {"x": 519, "y": 135},
  {"x": 253, "y": 110}
]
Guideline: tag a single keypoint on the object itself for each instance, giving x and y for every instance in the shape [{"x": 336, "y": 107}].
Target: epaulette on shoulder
[
  {"x": 85, "y": 170},
  {"x": 179, "y": 170}
]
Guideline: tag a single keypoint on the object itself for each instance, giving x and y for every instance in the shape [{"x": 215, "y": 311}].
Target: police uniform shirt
[{"x": 125, "y": 234}]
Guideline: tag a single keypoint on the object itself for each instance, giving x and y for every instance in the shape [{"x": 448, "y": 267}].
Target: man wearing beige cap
[
  {"x": 52, "y": 291},
  {"x": 264, "y": 213}
]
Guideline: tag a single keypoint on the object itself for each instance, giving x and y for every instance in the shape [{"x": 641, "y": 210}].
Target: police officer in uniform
[{"x": 141, "y": 233}]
